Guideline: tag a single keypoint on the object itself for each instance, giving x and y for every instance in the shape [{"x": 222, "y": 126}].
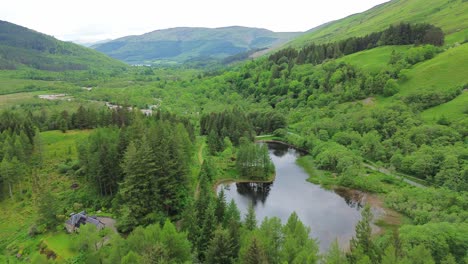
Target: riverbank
[{"x": 367, "y": 189}]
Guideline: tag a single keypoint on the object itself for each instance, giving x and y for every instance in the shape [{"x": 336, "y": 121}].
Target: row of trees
[
  {"x": 232, "y": 124},
  {"x": 253, "y": 161},
  {"x": 235, "y": 124},
  {"x": 402, "y": 34}
]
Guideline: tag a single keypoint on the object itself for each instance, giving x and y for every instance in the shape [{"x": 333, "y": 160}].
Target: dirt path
[
  {"x": 200, "y": 153},
  {"x": 200, "y": 161}
]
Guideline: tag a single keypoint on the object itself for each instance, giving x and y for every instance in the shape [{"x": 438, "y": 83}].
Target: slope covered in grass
[
  {"x": 450, "y": 15},
  {"x": 373, "y": 60},
  {"x": 447, "y": 71},
  {"x": 453, "y": 111}
]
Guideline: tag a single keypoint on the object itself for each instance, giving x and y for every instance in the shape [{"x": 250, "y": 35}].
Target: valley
[{"x": 176, "y": 148}]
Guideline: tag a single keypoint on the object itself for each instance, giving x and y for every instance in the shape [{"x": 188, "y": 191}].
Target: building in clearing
[{"x": 76, "y": 220}]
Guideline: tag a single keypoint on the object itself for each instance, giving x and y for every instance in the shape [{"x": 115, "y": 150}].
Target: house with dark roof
[{"x": 76, "y": 220}]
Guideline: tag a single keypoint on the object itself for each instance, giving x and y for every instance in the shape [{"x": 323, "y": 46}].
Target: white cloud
[{"x": 102, "y": 19}]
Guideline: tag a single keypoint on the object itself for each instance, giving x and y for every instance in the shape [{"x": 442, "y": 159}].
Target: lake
[{"x": 330, "y": 214}]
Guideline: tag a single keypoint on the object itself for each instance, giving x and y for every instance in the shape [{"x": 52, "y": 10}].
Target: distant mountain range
[
  {"x": 185, "y": 44},
  {"x": 90, "y": 43},
  {"x": 21, "y": 47}
]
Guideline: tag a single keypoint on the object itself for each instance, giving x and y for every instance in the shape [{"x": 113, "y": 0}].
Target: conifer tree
[
  {"x": 220, "y": 249},
  {"x": 255, "y": 253},
  {"x": 137, "y": 191},
  {"x": 335, "y": 255},
  {"x": 250, "y": 218},
  {"x": 220, "y": 209},
  {"x": 362, "y": 243}
]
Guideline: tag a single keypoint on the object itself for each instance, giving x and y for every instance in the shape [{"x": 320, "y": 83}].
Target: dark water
[{"x": 330, "y": 215}]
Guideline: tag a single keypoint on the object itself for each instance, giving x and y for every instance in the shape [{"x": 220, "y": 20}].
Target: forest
[{"x": 382, "y": 113}]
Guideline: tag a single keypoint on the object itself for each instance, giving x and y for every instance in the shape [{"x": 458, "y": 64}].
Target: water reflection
[
  {"x": 257, "y": 192},
  {"x": 353, "y": 199}
]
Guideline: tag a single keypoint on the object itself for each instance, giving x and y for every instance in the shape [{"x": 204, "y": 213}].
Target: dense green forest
[{"x": 382, "y": 110}]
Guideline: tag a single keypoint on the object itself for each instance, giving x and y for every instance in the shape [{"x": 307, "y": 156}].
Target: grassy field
[
  {"x": 60, "y": 146},
  {"x": 16, "y": 82},
  {"x": 454, "y": 110},
  {"x": 451, "y": 16},
  {"x": 373, "y": 60},
  {"x": 8, "y": 100},
  {"x": 446, "y": 71},
  {"x": 60, "y": 243}
]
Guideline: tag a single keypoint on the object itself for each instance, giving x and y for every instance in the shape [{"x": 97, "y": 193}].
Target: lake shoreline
[{"x": 384, "y": 218}]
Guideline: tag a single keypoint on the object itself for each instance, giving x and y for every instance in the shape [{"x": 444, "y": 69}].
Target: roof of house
[{"x": 81, "y": 218}]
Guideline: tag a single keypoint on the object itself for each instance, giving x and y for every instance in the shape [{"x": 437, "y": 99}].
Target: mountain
[
  {"x": 450, "y": 15},
  {"x": 90, "y": 43},
  {"x": 22, "y": 47},
  {"x": 188, "y": 44}
]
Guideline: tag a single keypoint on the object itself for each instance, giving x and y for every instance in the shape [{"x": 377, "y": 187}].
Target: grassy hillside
[
  {"x": 453, "y": 111},
  {"x": 450, "y": 15},
  {"x": 444, "y": 72},
  {"x": 183, "y": 44},
  {"x": 21, "y": 47},
  {"x": 373, "y": 60}
]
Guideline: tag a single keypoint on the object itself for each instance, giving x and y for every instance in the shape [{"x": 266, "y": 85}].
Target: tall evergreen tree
[
  {"x": 250, "y": 221},
  {"x": 335, "y": 255},
  {"x": 220, "y": 249},
  {"x": 255, "y": 253},
  {"x": 363, "y": 243},
  {"x": 137, "y": 190},
  {"x": 220, "y": 209}
]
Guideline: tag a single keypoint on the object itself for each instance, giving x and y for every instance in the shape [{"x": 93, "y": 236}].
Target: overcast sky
[{"x": 91, "y": 20}]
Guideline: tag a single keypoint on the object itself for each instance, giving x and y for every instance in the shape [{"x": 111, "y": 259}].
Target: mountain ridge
[
  {"x": 24, "y": 47},
  {"x": 181, "y": 44}
]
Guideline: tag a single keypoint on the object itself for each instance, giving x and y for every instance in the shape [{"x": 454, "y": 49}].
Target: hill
[
  {"x": 22, "y": 47},
  {"x": 188, "y": 44},
  {"x": 450, "y": 15}
]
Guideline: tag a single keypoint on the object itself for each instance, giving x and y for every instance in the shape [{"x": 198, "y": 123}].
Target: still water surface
[{"x": 330, "y": 214}]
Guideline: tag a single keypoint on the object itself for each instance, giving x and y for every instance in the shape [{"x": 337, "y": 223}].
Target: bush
[
  {"x": 421, "y": 53},
  {"x": 391, "y": 87}
]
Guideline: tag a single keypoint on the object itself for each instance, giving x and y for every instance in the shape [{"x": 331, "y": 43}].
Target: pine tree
[
  {"x": 11, "y": 172},
  {"x": 298, "y": 247},
  {"x": 209, "y": 225},
  {"x": 250, "y": 218},
  {"x": 362, "y": 242},
  {"x": 220, "y": 249},
  {"x": 235, "y": 236},
  {"x": 232, "y": 213},
  {"x": 46, "y": 207},
  {"x": 136, "y": 191},
  {"x": 335, "y": 255},
  {"x": 255, "y": 253},
  {"x": 220, "y": 208}
]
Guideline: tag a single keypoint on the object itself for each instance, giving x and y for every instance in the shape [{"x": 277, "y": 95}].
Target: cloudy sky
[{"x": 91, "y": 20}]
